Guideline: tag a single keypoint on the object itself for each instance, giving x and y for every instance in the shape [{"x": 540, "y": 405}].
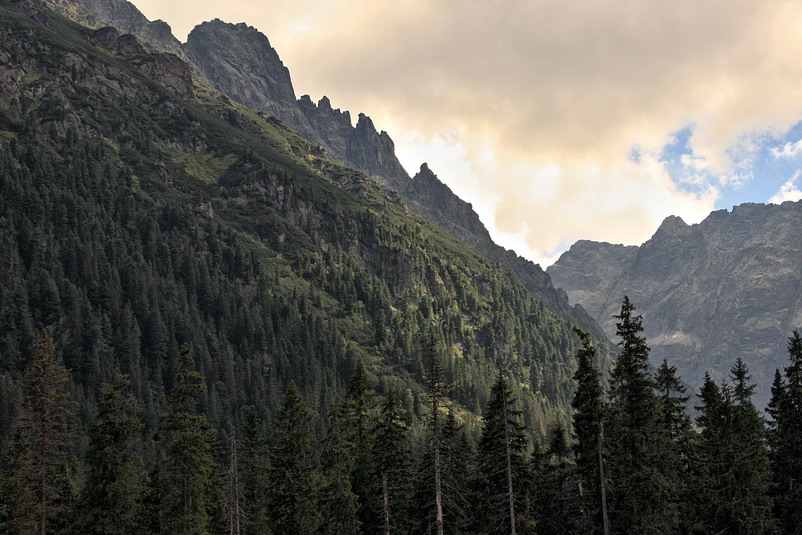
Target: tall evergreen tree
[
  {"x": 44, "y": 475},
  {"x": 436, "y": 393},
  {"x": 359, "y": 416},
  {"x": 338, "y": 504},
  {"x": 678, "y": 438},
  {"x": 186, "y": 474},
  {"x": 392, "y": 479},
  {"x": 502, "y": 461},
  {"x": 752, "y": 471},
  {"x": 459, "y": 473},
  {"x": 109, "y": 500},
  {"x": 785, "y": 439},
  {"x": 589, "y": 439},
  {"x": 733, "y": 487},
  {"x": 555, "y": 483},
  {"x": 641, "y": 499},
  {"x": 293, "y": 508},
  {"x": 254, "y": 468}
]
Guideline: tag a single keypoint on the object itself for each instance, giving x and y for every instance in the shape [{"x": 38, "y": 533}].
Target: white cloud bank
[
  {"x": 788, "y": 191},
  {"x": 541, "y": 101}
]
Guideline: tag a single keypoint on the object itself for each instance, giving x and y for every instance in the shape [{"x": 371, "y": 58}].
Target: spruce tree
[
  {"x": 433, "y": 461},
  {"x": 392, "y": 478},
  {"x": 733, "y": 490},
  {"x": 292, "y": 491},
  {"x": 641, "y": 499},
  {"x": 555, "y": 489},
  {"x": 359, "y": 416},
  {"x": 679, "y": 437},
  {"x": 109, "y": 500},
  {"x": 752, "y": 511},
  {"x": 186, "y": 473},
  {"x": 588, "y": 433},
  {"x": 42, "y": 482},
  {"x": 338, "y": 504},
  {"x": 459, "y": 473},
  {"x": 254, "y": 467},
  {"x": 785, "y": 439},
  {"x": 502, "y": 461}
]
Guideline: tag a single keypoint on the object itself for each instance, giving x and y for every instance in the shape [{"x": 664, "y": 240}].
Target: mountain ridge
[
  {"x": 136, "y": 219},
  {"x": 726, "y": 287},
  {"x": 261, "y": 81}
]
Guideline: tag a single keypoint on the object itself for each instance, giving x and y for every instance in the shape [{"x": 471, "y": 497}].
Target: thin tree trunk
[
  {"x": 386, "y": 505},
  {"x": 234, "y": 512},
  {"x": 603, "y": 483},
  {"x": 508, "y": 452},
  {"x": 438, "y": 484}
]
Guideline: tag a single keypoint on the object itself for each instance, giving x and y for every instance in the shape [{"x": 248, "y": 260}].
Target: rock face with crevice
[{"x": 728, "y": 287}]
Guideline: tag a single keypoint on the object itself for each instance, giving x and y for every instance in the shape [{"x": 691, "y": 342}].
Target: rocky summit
[{"x": 728, "y": 287}]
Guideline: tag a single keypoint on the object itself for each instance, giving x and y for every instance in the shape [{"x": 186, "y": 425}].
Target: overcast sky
[{"x": 557, "y": 120}]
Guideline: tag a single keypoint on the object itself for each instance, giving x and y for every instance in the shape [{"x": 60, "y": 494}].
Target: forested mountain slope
[
  {"x": 139, "y": 214},
  {"x": 239, "y": 61},
  {"x": 728, "y": 287}
]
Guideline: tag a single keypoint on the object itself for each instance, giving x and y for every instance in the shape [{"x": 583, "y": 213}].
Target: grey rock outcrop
[
  {"x": 156, "y": 36},
  {"x": 163, "y": 67},
  {"x": 728, "y": 287},
  {"x": 238, "y": 60}
]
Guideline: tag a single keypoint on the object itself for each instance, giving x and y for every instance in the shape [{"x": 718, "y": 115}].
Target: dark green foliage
[
  {"x": 109, "y": 500},
  {"x": 502, "y": 463},
  {"x": 186, "y": 470},
  {"x": 556, "y": 488},
  {"x": 785, "y": 439},
  {"x": 678, "y": 439},
  {"x": 588, "y": 424},
  {"x": 40, "y": 479},
  {"x": 641, "y": 497},
  {"x": 733, "y": 490},
  {"x": 458, "y": 478},
  {"x": 338, "y": 504},
  {"x": 254, "y": 468},
  {"x": 292, "y": 493},
  {"x": 391, "y": 489},
  {"x": 359, "y": 414}
]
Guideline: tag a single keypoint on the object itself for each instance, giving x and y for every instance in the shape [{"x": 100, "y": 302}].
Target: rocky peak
[
  {"x": 238, "y": 60},
  {"x": 730, "y": 286}
]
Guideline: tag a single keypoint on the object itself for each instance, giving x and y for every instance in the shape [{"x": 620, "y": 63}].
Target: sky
[{"x": 558, "y": 121}]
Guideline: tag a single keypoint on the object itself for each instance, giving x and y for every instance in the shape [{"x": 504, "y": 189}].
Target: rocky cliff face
[
  {"x": 728, "y": 287},
  {"x": 163, "y": 67},
  {"x": 156, "y": 36},
  {"x": 239, "y": 61}
]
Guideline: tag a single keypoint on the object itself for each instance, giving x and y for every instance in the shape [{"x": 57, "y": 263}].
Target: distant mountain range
[{"x": 728, "y": 287}]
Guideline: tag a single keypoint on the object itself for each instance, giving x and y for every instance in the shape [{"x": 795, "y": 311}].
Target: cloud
[
  {"x": 788, "y": 191},
  {"x": 788, "y": 151},
  {"x": 558, "y": 92}
]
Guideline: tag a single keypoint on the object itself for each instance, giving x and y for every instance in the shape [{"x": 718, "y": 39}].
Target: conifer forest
[{"x": 208, "y": 326}]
